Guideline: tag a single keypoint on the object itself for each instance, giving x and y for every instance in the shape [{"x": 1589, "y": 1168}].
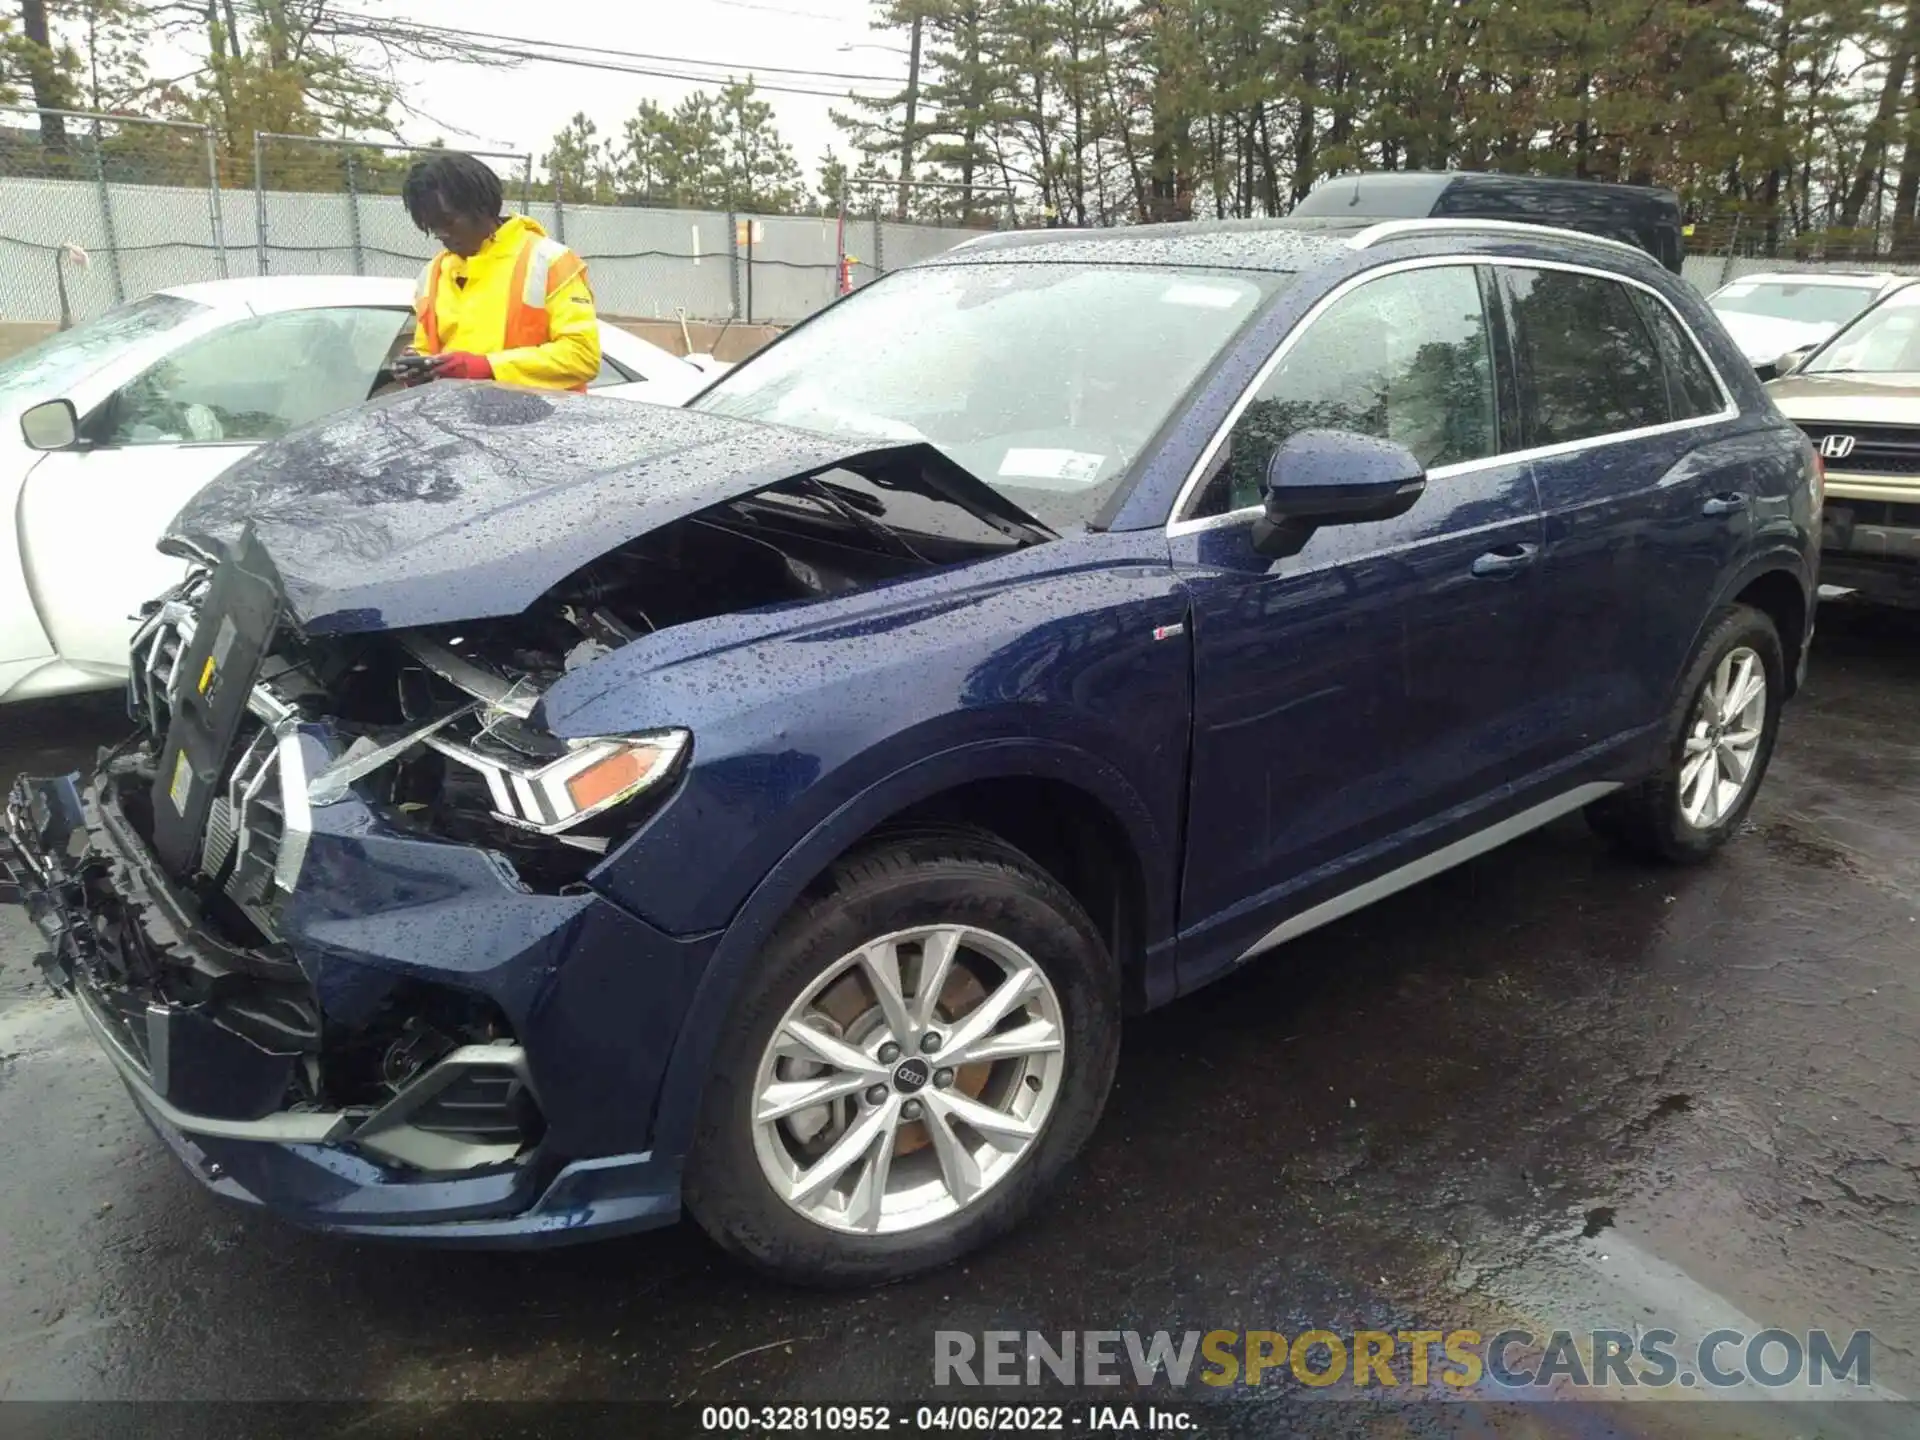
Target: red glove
[{"x": 462, "y": 365}]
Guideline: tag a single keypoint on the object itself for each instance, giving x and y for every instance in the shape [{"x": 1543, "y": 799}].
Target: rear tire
[
  {"x": 944, "y": 1185},
  {"x": 1715, "y": 761}
]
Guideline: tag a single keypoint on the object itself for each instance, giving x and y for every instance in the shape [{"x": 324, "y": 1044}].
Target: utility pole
[{"x": 913, "y": 102}]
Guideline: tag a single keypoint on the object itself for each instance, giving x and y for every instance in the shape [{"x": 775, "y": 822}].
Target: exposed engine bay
[
  {"x": 740, "y": 559},
  {"x": 440, "y": 721},
  {"x": 437, "y": 727},
  {"x": 378, "y": 614}
]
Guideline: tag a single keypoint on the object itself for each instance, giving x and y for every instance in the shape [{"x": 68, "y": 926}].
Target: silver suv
[{"x": 1858, "y": 399}]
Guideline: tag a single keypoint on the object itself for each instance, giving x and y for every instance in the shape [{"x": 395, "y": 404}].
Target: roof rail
[{"x": 1394, "y": 229}]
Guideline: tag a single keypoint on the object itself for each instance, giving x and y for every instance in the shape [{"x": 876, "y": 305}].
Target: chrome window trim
[
  {"x": 1189, "y": 488},
  {"x": 1466, "y": 224}
]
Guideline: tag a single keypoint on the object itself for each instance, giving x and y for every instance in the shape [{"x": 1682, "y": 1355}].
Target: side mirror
[
  {"x": 1334, "y": 477},
  {"x": 1792, "y": 360},
  {"x": 50, "y": 425}
]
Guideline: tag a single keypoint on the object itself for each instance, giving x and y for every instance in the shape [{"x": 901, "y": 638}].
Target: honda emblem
[{"x": 1836, "y": 447}]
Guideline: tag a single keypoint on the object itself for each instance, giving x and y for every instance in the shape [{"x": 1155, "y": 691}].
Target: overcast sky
[{"x": 520, "y": 109}]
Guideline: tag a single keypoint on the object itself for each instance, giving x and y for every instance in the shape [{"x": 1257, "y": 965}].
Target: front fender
[
  {"x": 746, "y": 938},
  {"x": 1074, "y": 647},
  {"x": 24, "y": 645}
]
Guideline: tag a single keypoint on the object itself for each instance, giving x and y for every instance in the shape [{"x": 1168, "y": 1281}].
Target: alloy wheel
[
  {"x": 908, "y": 1079},
  {"x": 1723, "y": 738}
]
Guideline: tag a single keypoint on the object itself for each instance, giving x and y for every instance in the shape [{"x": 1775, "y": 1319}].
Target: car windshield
[
  {"x": 1885, "y": 340},
  {"x": 1045, "y": 381},
  {"x": 1807, "y": 304},
  {"x": 43, "y": 372}
]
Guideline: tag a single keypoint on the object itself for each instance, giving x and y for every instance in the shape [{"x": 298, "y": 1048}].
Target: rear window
[{"x": 1374, "y": 197}]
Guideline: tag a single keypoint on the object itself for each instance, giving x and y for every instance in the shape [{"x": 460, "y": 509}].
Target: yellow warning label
[
  {"x": 206, "y": 675},
  {"x": 182, "y": 783}
]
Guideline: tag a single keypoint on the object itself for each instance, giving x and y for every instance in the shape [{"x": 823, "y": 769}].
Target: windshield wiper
[{"x": 852, "y": 505}]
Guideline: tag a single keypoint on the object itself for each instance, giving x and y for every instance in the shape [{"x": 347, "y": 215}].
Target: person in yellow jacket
[{"x": 501, "y": 301}]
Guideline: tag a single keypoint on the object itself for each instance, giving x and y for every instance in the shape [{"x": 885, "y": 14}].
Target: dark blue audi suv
[{"x": 546, "y": 813}]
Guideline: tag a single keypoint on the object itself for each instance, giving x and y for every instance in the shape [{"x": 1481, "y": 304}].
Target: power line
[
  {"x": 780, "y": 10},
  {"x": 584, "y": 63},
  {"x": 342, "y": 24},
  {"x": 580, "y": 62},
  {"x": 403, "y": 29}
]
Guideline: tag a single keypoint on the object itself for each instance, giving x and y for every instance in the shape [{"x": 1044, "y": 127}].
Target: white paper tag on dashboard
[
  {"x": 1202, "y": 296},
  {"x": 1051, "y": 465}
]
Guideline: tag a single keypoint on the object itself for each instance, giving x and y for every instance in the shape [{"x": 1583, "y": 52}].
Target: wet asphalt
[{"x": 1552, "y": 1089}]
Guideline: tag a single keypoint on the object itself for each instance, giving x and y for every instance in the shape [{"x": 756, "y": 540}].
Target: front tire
[
  {"x": 1719, "y": 741},
  {"x": 917, "y": 1056}
]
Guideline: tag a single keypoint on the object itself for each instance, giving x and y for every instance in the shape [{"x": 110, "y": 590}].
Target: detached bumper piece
[
  {"x": 219, "y": 1043},
  {"x": 41, "y": 829}
]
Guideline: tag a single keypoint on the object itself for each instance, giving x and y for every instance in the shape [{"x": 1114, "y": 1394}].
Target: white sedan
[
  {"x": 1771, "y": 315},
  {"x": 106, "y": 430}
]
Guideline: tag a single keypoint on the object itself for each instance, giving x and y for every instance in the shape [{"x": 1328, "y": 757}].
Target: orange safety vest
[{"x": 543, "y": 266}]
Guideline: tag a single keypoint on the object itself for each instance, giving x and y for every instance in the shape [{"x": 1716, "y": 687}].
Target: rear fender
[{"x": 1778, "y": 556}]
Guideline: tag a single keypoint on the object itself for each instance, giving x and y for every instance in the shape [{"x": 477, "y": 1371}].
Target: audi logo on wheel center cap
[
  {"x": 911, "y": 1075},
  {"x": 1837, "y": 447}
]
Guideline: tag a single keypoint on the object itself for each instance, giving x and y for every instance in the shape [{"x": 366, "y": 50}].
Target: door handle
[
  {"x": 1506, "y": 561},
  {"x": 1730, "y": 502}
]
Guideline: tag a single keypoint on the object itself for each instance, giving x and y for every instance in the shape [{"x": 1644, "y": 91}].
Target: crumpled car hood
[{"x": 464, "y": 502}]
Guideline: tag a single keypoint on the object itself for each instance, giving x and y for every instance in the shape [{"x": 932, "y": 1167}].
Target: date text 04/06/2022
[{"x": 994, "y": 1419}]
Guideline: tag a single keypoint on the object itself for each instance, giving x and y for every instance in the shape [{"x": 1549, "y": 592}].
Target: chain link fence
[
  {"x": 1724, "y": 246},
  {"x": 651, "y": 263},
  {"x": 98, "y": 209},
  {"x": 333, "y": 207}
]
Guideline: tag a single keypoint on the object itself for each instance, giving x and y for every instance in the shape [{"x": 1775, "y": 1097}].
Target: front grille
[
  {"x": 1877, "y": 449},
  {"x": 245, "y": 826},
  {"x": 1877, "y": 512},
  {"x": 241, "y": 851},
  {"x": 157, "y": 649}
]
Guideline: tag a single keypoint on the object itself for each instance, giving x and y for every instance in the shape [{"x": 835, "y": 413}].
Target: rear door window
[{"x": 1590, "y": 365}]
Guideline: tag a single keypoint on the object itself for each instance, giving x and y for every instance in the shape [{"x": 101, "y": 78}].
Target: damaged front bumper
[{"x": 535, "y": 1138}]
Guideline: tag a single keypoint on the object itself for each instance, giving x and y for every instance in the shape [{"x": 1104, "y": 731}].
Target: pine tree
[
  {"x": 579, "y": 170},
  {"x": 757, "y": 169},
  {"x": 644, "y": 164}
]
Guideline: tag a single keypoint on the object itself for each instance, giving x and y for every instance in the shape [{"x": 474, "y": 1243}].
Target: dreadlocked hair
[{"x": 449, "y": 182}]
